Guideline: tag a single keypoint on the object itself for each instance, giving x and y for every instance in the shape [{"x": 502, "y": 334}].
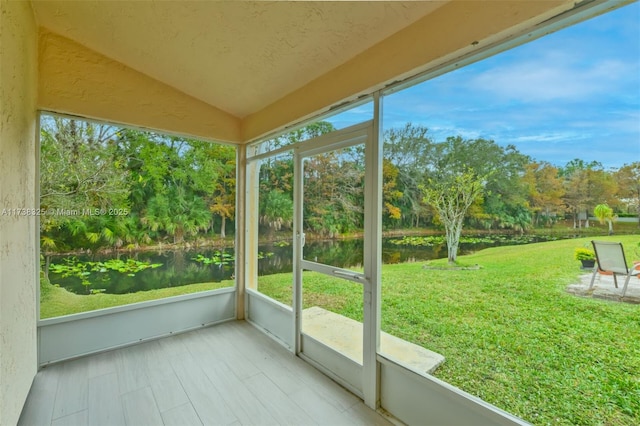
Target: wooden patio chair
[{"x": 610, "y": 258}]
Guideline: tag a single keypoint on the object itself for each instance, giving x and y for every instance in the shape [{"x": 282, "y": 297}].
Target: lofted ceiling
[
  {"x": 236, "y": 70},
  {"x": 237, "y": 56}
]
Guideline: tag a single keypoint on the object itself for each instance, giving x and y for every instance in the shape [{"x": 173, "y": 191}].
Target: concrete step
[
  {"x": 345, "y": 336},
  {"x": 604, "y": 288}
]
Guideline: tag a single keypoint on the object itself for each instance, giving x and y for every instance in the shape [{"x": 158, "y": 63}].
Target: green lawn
[
  {"x": 56, "y": 301},
  {"x": 510, "y": 333}
]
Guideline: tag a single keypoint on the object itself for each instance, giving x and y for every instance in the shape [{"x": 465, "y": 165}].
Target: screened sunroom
[{"x": 240, "y": 75}]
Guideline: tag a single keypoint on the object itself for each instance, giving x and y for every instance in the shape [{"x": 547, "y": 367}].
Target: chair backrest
[{"x": 610, "y": 256}]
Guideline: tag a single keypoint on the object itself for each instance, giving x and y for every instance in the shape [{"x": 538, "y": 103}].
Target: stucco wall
[
  {"x": 76, "y": 80},
  {"x": 18, "y": 263}
]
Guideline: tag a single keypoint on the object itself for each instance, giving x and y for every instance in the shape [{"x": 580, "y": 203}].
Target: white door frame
[{"x": 364, "y": 133}]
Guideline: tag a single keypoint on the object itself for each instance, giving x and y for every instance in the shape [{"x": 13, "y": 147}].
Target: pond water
[{"x": 214, "y": 265}]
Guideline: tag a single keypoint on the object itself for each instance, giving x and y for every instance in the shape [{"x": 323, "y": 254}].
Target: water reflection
[{"x": 181, "y": 267}]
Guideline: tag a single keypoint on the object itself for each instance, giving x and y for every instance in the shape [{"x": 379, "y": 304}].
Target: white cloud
[
  {"x": 551, "y": 137},
  {"x": 573, "y": 94},
  {"x": 544, "y": 80}
]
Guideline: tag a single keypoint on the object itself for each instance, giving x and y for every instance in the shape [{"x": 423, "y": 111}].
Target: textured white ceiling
[{"x": 235, "y": 55}]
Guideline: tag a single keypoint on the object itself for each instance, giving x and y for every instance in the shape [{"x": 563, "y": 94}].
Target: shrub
[{"x": 584, "y": 254}]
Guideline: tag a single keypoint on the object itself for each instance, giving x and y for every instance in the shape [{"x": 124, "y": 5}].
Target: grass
[
  {"x": 510, "y": 333},
  {"x": 56, "y": 301}
]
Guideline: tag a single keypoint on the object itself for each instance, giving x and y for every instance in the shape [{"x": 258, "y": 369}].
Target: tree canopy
[{"x": 106, "y": 186}]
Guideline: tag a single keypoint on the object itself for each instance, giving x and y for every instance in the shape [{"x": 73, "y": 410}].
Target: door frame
[{"x": 366, "y": 381}]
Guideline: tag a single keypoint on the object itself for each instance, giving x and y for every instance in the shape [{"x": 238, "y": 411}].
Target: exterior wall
[
  {"x": 79, "y": 81},
  {"x": 18, "y": 237}
]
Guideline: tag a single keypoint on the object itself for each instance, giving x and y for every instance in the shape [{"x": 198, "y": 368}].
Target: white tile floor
[{"x": 229, "y": 374}]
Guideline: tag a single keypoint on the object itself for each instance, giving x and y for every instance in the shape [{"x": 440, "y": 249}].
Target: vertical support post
[
  {"x": 241, "y": 228},
  {"x": 250, "y": 192},
  {"x": 298, "y": 238},
  {"x": 372, "y": 259},
  {"x": 36, "y": 204}
]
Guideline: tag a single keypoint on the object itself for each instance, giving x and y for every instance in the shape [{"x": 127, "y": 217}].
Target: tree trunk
[
  {"x": 223, "y": 234},
  {"x": 47, "y": 263},
  {"x": 178, "y": 236},
  {"x": 453, "y": 231}
]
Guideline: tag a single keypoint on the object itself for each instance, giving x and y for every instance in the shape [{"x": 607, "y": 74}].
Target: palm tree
[
  {"x": 276, "y": 210},
  {"x": 605, "y": 213}
]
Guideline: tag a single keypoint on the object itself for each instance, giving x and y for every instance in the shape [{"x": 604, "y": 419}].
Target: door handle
[{"x": 347, "y": 274}]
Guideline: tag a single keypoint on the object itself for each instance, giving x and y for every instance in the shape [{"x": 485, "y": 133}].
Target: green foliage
[
  {"x": 81, "y": 173},
  {"x": 122, "y": 188},
  {"x": 417, "y": 241},
  {"x": 72, "y": 267},
  {"x": 451, "y": 193},
  {"x": 218, "y": 258},
  {"x": 544, "y": 192},
  {"x": 587, "y": 184},
  {"x": 334, "y": 192},
  {"x": 584, "y": 254},
  {"x": 333, "y": 189},
  {"x": 149, "y": 188},
  {"x": 56, "y": 301},
  {"x": 435, "y": 240},
  {"x": 603, "y": 212},
  {"x": 276, "y": 210},
  {"x": 263, "y": 255},
  {"x": 422, "y": 162},
  {"x": 628, "y": 188}
]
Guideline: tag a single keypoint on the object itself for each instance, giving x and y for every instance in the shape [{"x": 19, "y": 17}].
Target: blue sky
[{"x": 571, "y": 94}]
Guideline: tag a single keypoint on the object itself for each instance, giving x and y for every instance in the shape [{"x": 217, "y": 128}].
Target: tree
[
  {"x": 390, "y": 194},
  {"x": 604, "y": 213},
  {"x": 159, "y": 186},
  {"x": 416, "y": 156},
  {"x": 276, "y": 210},
  {"x": 407, "y": 150},
  {"x": 451, "y": 195},
  {"x": 179, "y": 183},
  {"x": 81, "y": 174},
  {"x": 585, "y": 185},
  {"x": 575, "y": 194},
  {"x": 333, "y": 182},
  {"x": 309, "y": 131},
  {"x": 223, "y": 199},
  {"x": 628, "y": 179},
  {"x": 333, "y": 192},
  {"x": 504, "y": 203},
  {"x": 545, "y": 190},
  {"x": 276, "y": 192}
]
